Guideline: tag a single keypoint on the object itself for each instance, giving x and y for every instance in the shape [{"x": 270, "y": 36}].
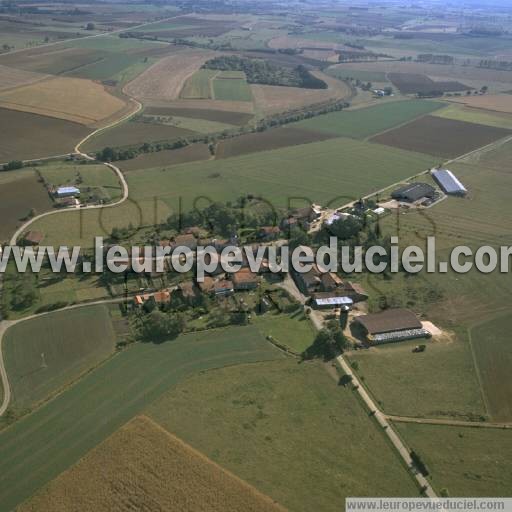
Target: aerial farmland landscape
[{"x": 255, "y": 256}]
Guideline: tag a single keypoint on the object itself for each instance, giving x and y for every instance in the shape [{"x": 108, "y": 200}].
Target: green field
[
  {"x": 198, "y": 125},
  {"x": 356, "y": 74},
  {"x": 436, "y": 383},
  {"x": 72, "y": 342},
  {"x": 493, "y": 352},
  {"x": 92, "y": 180},
  {"x": 135, "y": 133},
  {"x": 226, "y": 88},
  {"x": 40, "y": 446},
  {"x": 295, "y": 330},
  {"x": 362, "y": 123},
  {"x": 199, "y": 85},
  {"x": 464, "y": 461},
  {"x": 287, "y": 429},
  {"x": 460, "y": 113},
  {"x": 344, "y": 169}
]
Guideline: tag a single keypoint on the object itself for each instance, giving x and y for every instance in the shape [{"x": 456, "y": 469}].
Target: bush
[{"x": 13, "y": 165}]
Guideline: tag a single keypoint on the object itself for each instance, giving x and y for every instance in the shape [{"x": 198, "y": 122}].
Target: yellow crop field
[
  {"x": 73, "y": 99},
  {"x": 144, "y": 467}
]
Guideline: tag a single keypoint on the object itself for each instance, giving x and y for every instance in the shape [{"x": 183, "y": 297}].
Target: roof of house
[
  {"x": 334, "y": 301},
  {"x": 207, "y": 285},
  {"x": 160, "y": 297},
  {"x": 185, "y": 240},
  {"x": 356, "y": 287},
  {"x": 448, "y": 181},
  {"x": 270, "y": 230},
  {"x": 188, "y": 289},
  {"x": 389, "y": 320},
  {"x": 225, "y": 284},
  {"x": 330, "y": 279},
  {"x": 414, "y": 191},
  {"x": 34, "y": 237},
  {"x": 311, "y": 277},
  {"x": 244, "y": 275}
]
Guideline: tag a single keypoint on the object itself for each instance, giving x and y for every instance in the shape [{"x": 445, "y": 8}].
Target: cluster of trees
[
  {"x": 260, "y": 71},
  {"x": 12, "y": 165},
  {"x": 109, "y": 154},
  {"x": 435, "y": 59},
  {"x": 225, "y": 219},
  {"x": 158, "y": 326},
  {"x": 502, "y": 65},
  {"x": 356, "y": 56},
  {"x": 329, "y": 343}
]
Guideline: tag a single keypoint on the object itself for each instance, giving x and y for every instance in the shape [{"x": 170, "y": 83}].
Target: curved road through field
[{"x": 5, "y": 324}]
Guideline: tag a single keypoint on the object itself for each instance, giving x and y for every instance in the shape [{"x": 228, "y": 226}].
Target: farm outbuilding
[
  {"x": 67, "y": 192},
  {"x": 413, "y": 192},
  {"x": 449, "y": 183},
  {"x": 391, "y": 325}
]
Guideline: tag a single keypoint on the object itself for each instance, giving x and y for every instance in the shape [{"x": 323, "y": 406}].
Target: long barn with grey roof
[{"x": 448, "y": 182}]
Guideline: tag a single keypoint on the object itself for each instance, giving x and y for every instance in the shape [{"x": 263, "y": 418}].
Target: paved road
[{"x": 388, "y": 429}]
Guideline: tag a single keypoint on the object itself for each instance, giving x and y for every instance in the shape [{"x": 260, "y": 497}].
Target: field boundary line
[
  {"x": 448, "y": 422},
  {"x": 367, "y": 139}
]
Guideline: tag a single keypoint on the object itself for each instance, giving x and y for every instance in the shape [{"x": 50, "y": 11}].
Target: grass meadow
[
  {"x": 463, "y": 461},
  {"x": 310, "y": 443},
  {"x": 293, "y": 330},
  {"x": 72, "y": 342},
  {"x": 493, "y": 352},
  {"x": 440, "y": 382},
  {"x": 469, "y": 115},
  {"x": 199, "y": 85},
  {"x": 227, "y": 88},
  {"x": 365, "y": 122},
  {"x": 105, "y": 399}
]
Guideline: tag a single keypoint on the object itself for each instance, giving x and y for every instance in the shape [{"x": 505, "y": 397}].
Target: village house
[
  {"x": 207, "y": 286},
  {"x": 160, "y": 297},
  {"x": 33, "y": 238},
  {"x": 301, "y": 217},
  {"x": 244, "y": 279},
  {"x": 189, "y": 241}
]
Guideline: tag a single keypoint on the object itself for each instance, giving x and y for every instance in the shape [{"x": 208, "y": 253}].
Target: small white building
[{"x": 67, "y": 192}]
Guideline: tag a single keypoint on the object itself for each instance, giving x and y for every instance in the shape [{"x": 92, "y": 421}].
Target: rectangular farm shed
[
  {"x": 67, "y": 192},
  {"x": 449, "y": 183},
  {"x": 413, "y": 192},
  {"x": 391, "y": 325}
]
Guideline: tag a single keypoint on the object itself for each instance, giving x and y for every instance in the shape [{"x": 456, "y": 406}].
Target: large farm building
[
  {"x": 391, "y": 325},
  {"x": 448, "y": 182}
]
